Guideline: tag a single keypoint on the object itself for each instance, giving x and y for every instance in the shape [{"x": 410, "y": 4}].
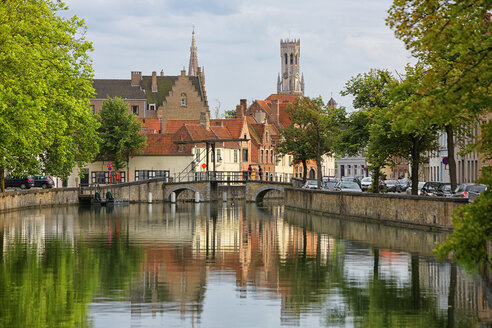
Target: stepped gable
[{"x": 110, "y": 88}]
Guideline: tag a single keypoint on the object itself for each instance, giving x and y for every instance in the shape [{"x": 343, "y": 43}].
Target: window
[
  {"x": 197, "y": 155},
  {"x": 151, "y": 106},
  {"x": 219, "y": 155},
  {"x": 285, "y": 59},
  {"x": 183, "y": 100},
  {"x": 296, "y": 59},
  {"x": 355, "y": 170},
  {"x": 135, "y": 110},
  {"x": 261, "y": 156},
  {"x": 245, "y": 154},
  {"x": 180, "y": 148},
  {"x": 101, "y": 177},
  {"x": 271, "y": 156},
  {"x": 150, "y": 174},
  {"x": 348, "y": 170},
  {"x": 291, "y": 59},
  {"x": 235, "y": 156}
]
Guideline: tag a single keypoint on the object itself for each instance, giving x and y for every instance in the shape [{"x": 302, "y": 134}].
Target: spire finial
[{"x": 193, "y": 66}]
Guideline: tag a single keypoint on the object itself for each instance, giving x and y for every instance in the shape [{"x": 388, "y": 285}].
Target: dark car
[
  {"x": 23, "y": 183},
  {"x": 348, "y": 186},
  {"x": 469, "y": 190},
  {"x": 329, "y": 185},
  {"x": 444, "y": 190},
  {"x": 43, "y": 181},
  {"x": 430, "y": 188},
  {"x": 393, "y": 185}
]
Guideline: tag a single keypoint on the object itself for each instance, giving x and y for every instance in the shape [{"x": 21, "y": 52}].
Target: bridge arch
[
  {"x": 261, "y": 192},
  {"x": 180, "y": 188}
]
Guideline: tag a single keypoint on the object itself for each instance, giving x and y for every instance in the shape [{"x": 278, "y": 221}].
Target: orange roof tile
[
  {"x": 173, "y": 125},
  {"x": 158, "y": 144},
  {"x": 282, "y": 98},
  {"x": 150, "y": 125}
]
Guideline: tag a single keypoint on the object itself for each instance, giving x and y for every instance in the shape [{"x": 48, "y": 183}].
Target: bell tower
[{"x": 289, "y": 80}]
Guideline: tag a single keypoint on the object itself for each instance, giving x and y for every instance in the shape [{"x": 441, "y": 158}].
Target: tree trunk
[
  {"x": 2, "y": 179},
  {"x": 375, "y": 180},
  {"x": 451, "y": 158},
  {"x": 415, "y": 166},
  {"x": 318, "y": 167},
  {"x": 304, "y": 171}
]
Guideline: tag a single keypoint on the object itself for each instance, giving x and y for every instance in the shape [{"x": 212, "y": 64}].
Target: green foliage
[
  {"x": 45, "y": 84},
  {"x": 313, "y": 131},
  {"x": 472, "y": 232},
  {"x": 230, "y": 114},
  {"x": 120, "y": 133}
]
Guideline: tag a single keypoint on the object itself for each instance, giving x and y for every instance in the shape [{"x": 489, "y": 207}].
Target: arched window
[
  {"x": 285, "y": 59},
  {"x": 266, "y": 156},
  {"x": 261, "y": 156},
  {"x": 183, "y": 100},
  {"x": 291, "y": 59}
]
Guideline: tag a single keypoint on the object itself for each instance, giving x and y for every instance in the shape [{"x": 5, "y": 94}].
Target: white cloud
[{"x": 238, "y": 41}]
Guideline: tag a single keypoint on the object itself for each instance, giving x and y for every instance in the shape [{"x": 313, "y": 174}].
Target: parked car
[
  {"x": 329, "y": 185},
  {"x": 351, "y": 179},
  {"x": 349, "y": 186},
  {"x": 311, "y": 184},
  {"x": 405, "y": 183},
  {"x": 419, "y": 187},
  {"x": 366, "y": 183},
  {"x": 43, "y": 181},
  {"x": 15, "y": 182},
  {"x": 469, "y": 190},
  {"x": 430, "y": 188},
  {"x": 444, "y": 190},
  {"x": 393, "y": 185}
]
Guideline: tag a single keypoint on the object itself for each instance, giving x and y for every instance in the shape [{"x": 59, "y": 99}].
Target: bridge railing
[{"x": 231, "y": 176}]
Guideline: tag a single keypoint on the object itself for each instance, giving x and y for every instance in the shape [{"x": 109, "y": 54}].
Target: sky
[{"x": 239, "y": 42}]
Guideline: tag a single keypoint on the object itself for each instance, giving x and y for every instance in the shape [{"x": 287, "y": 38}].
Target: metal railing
[{"x": 231, "y": 176}]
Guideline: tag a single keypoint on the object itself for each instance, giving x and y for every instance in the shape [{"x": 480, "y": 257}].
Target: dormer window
[
  {"x": 151, "y": 106},
  {"x": 183, "y": 100}
]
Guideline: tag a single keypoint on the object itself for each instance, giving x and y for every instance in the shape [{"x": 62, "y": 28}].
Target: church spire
[{"x": 193, "y": 67}]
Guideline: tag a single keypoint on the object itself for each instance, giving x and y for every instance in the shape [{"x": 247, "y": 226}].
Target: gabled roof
[
  {"x": 234, "y": 125},
  {"x": 116, "y": 88},
  {"x": 173, "y": 125},
  {"x": 264, "y": 105}
]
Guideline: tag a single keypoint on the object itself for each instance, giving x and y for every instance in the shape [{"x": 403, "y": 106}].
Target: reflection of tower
[{"x": 289, "y": 80}]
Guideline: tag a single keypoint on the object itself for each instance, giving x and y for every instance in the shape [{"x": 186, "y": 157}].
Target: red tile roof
[
  {"x": 173, "y": 125},
  {"x": 150, "y": 125},
  {"x": 282, "y": 98},
  {"x": 158, "y": 144}
]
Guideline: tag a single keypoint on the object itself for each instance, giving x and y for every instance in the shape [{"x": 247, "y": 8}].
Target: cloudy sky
[{"x": 239, "y": 42}]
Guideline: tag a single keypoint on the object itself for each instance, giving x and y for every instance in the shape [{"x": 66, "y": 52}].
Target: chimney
[
  {"x": 183, "y": 72},
  {"x": 162, "y": 73},
  {"x": 239, "y": 111},
  {"x": 136, "y": 78},
  {"x": 205, "y": 119},
  {"x": 243, "y": 105},
  {"x": 154, "y": 81},
  {"x": 275, "y": 111}
]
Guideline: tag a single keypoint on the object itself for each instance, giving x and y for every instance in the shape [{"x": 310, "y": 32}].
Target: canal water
[{"x": 233, "y": 265}]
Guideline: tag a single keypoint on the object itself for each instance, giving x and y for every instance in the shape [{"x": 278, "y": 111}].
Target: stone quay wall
[
  {"x": 433, "y": 212},
  {"x": 19, "y": 199}
]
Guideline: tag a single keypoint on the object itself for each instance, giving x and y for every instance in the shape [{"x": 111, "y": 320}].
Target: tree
[
  {"x": 417, "y": 132},
  {"x": 120, "y": 133},
  {"x": 312, "y": 133},
  {"x": 452, "y": 40},
  {"x": 229, "y": 114},
  {"x": 371, "y": 97},
  {"x": 45, "y": 84}
]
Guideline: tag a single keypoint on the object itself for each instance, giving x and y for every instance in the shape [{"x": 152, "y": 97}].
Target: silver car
[{"x": 347, "y": 186}]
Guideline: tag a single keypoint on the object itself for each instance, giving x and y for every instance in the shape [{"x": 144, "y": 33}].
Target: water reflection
[{"x": 225, "y": 266}]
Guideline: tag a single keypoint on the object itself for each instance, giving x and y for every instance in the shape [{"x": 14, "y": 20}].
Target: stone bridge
[{"x": 255, "y": 190}]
